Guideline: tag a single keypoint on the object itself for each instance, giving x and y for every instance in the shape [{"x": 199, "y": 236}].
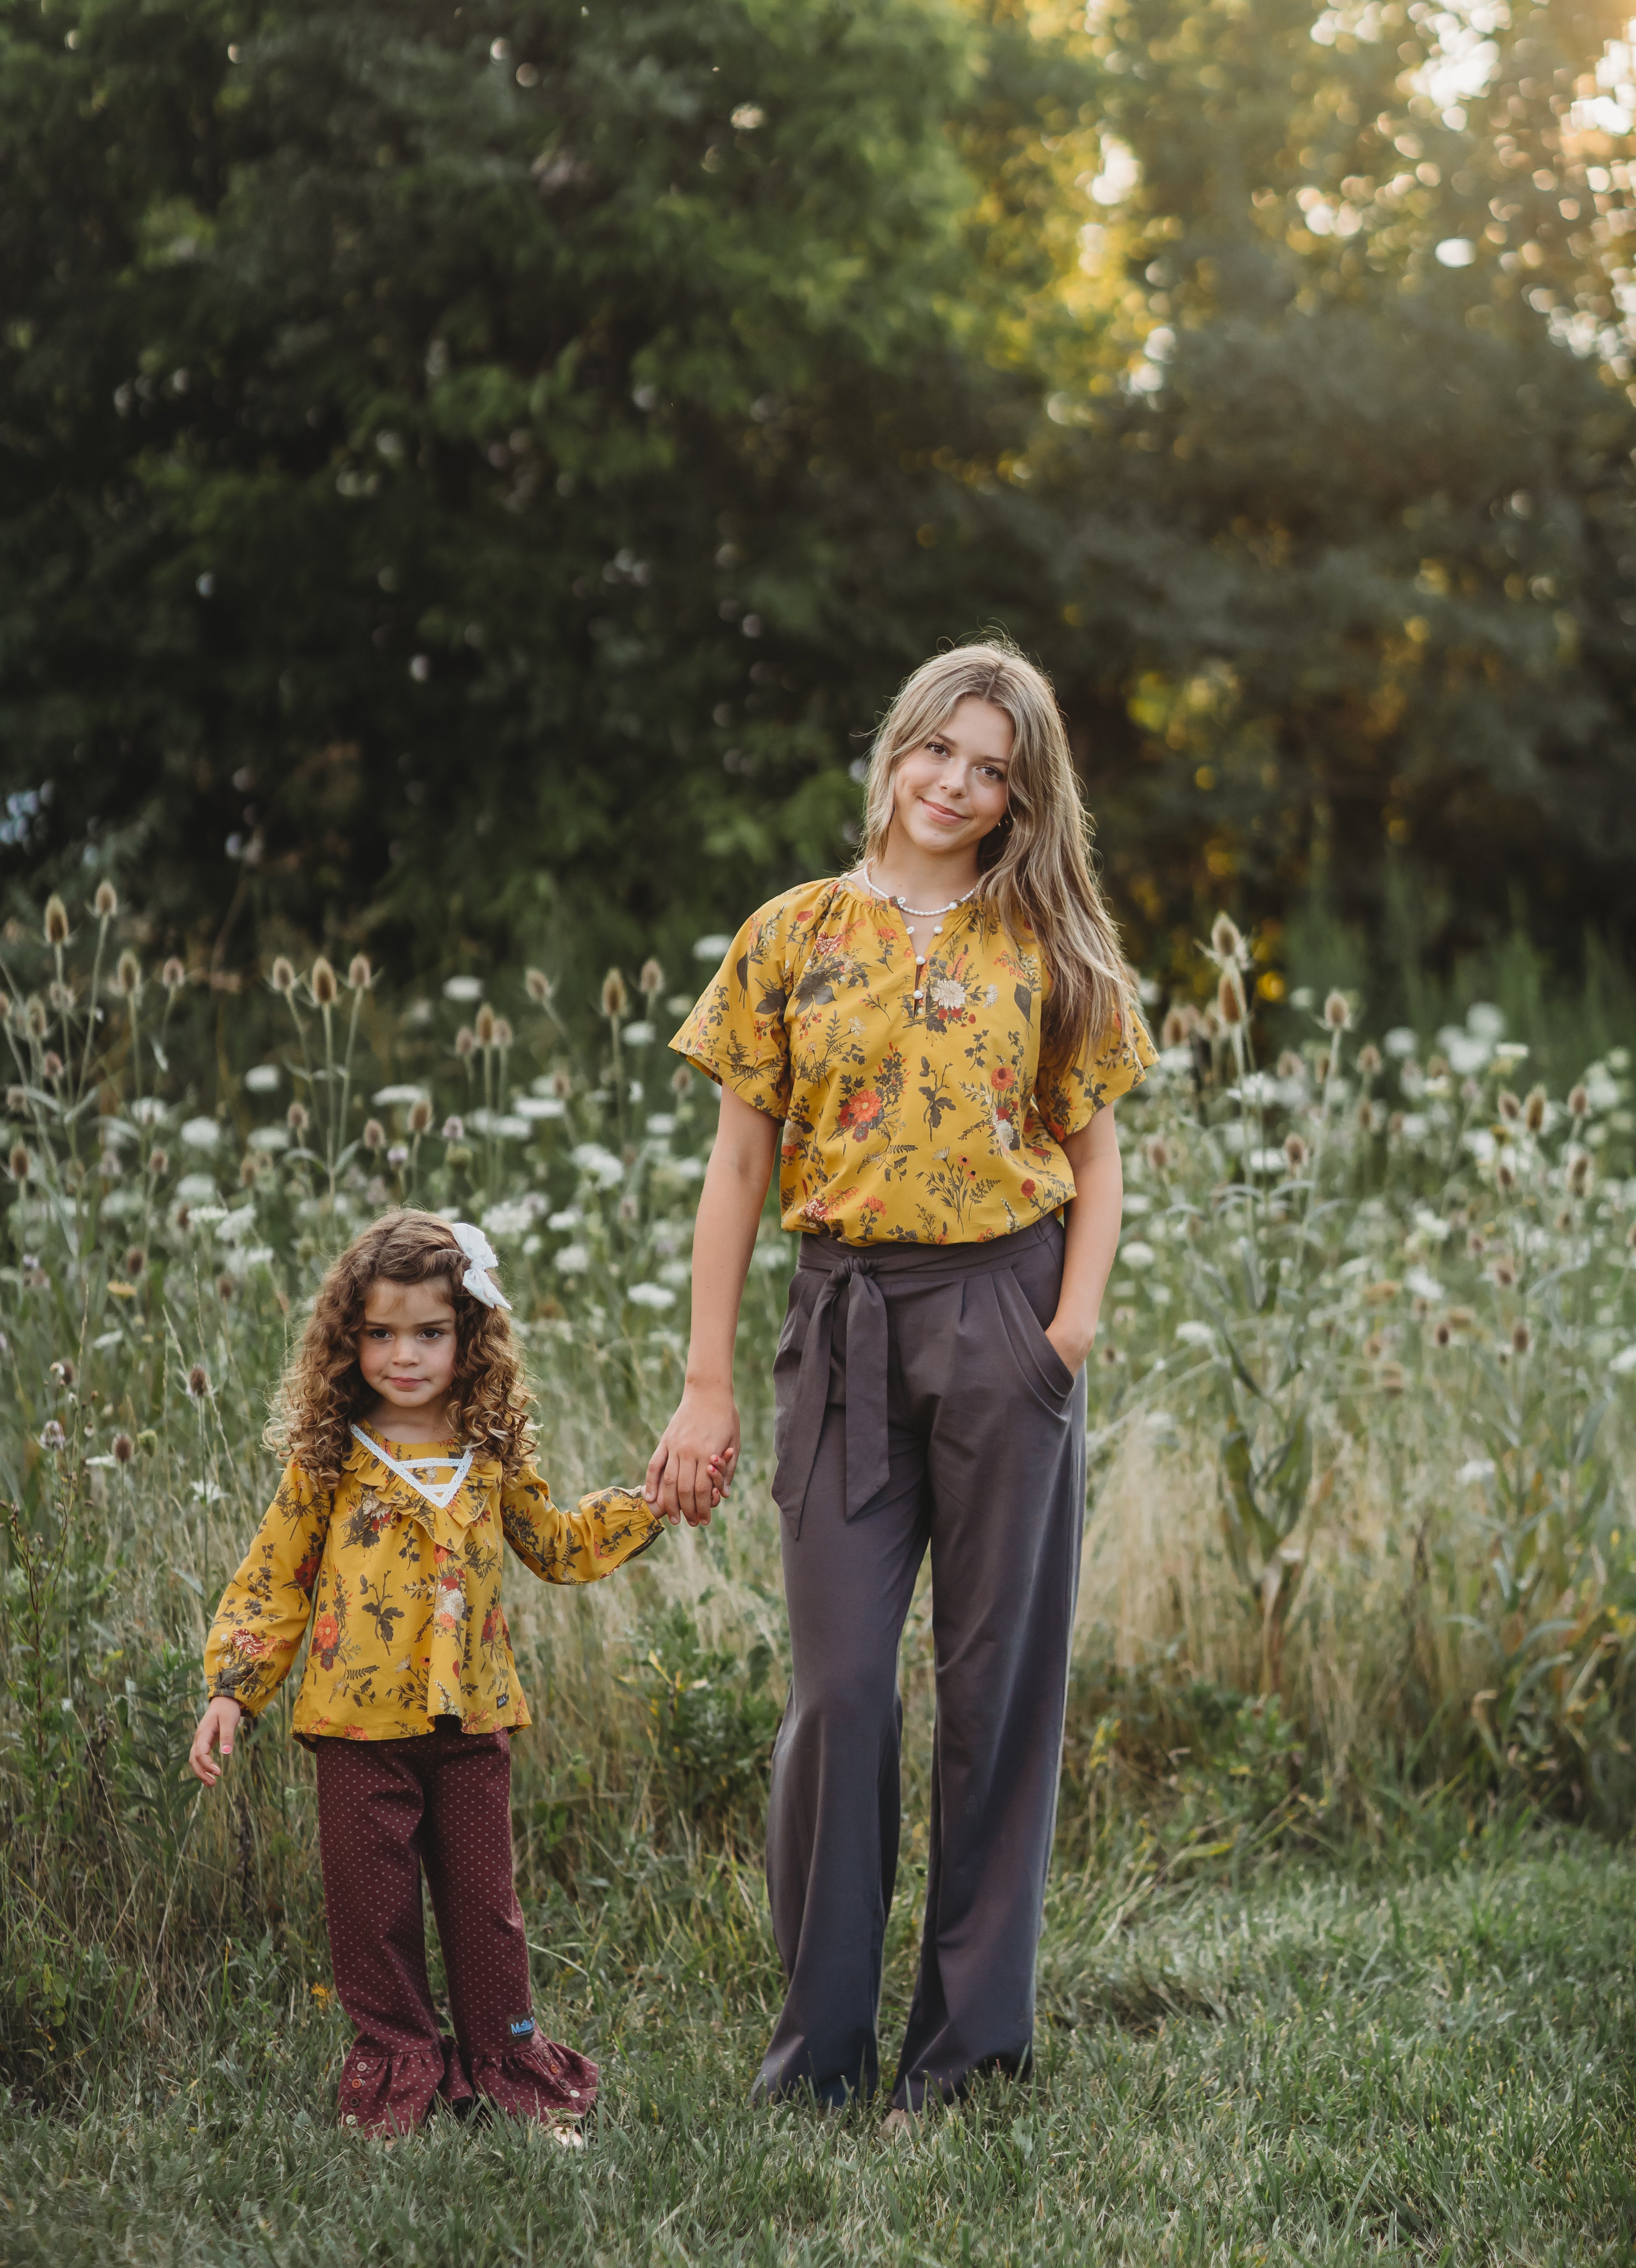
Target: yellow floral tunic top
[
  {"x": 912, "y": 1116},
  {"x": 404, "y": 1595}
]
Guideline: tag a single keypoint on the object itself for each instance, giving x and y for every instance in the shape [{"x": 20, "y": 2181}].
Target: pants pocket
[{"x": 1041, "y": 1367}]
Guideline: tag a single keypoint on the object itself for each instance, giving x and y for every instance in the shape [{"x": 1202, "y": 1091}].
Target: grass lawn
[{"x": 1319, "y": 2068}]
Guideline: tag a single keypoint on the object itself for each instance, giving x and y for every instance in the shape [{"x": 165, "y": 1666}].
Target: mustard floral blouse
[
  {"x": 404, "y": 1595},
  {"x": 913, "y": 1116}
]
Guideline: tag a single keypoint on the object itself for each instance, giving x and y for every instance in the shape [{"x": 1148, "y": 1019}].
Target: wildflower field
[{"x": 1338, "y": 1959}]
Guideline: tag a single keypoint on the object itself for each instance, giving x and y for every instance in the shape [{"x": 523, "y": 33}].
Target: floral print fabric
[
  {"x": 403, "y": 1595},
  {"x": 936, "y": 1119}
]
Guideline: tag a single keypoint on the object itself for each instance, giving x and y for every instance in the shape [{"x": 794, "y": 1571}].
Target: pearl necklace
[{"x": 918, "y": 913}]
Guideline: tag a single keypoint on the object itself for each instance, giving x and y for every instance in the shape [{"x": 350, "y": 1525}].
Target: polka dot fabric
[{"x": 437, "y": 1803}]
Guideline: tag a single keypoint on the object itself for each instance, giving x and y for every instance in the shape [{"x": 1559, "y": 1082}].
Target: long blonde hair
[
  {"x": 323, "y": 1388},
  {"x": 1035, "y": 866}
]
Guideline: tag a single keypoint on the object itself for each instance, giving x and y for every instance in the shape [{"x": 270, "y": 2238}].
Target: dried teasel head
[
  {"x": 1476, "y": 1243},
  {"x": 375, "y": 1135},
  {"x": 104, "y": 905},
  {"x": 1156, "y": 1150},
  {"x": 1369, "y": 1060},
  {"x": 1505, "y": 1275},
  {"x": 1437, "y": 1066},
  {"x": 1506, "y": 1176},
  {"x": 52, "y": 1065},
  {"x": 538, "y": 986},
  {"x": 1579, "y": 1101},
  {"x": 1564, "y": 1220},
  {"x": 174, "y": 975},
  {"x": 455, "y": 1130},
  {"x": 1392, "y": 1378},
  {"x": 64, "y": 1374},
  {"x": 57, "y": 921},
  {"x": 1510, "y": 1106},
  {"x": 1395, "y": 1124},
  {"x": 562, "y": 1085},
  {"x": 1534, "y": 1109},
  {"x": 158, "y": 1161},
  {"x": 227, "y": 1290},
  {"x": 1522, "y": 1337},
  {"x": 1226, "y": 942},
  {"x": 1337, "y": 1012},
  {"x": 360, "y": 976},
  {"x": 20, "y": 1162},
  {"x": 420, "y": 1115},
  {"x": 1290, "y": 1065},
  {"x": 651, "y": 981},
  {"x": 297, "y": 1118},
  {"x": 1295, "y": 1152},
  {"x": 465, "y": 1041},
  {"x": 123, "y": 1447},
  {"x": 680, "y": 1078},
  {"x": 127, "y": 975},
  {"x": 136, "y": 1260},
  {"x": 1230, "y": 999},
  {"x": 322, "y": 984},
  {"x": 1173, "y": 1032},
  {"x": 283, "y": 978},
  {"x": 616, "y": 998},
  {"x": 198, "y": 1383},
  {"x": 1461, "y": 1319},
  {"x": 1581, "y": 1173},
  {"x": 252, "y": 1166},
  {"x": 1443, "y": 1336},
  {"x": 484, "y": 1021},
  {"x": 502, "y": 1032}
]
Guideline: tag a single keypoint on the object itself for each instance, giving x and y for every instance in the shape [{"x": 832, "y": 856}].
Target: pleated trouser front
[{"x": 920, "y": 1406}]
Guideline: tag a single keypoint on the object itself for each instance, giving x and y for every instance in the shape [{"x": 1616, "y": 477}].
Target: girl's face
[
  {"x": 406, "y": 1349},
  {"x": 949, "y": 793}
]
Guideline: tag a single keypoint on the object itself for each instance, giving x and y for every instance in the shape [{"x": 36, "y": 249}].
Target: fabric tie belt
[{"x": 856, "y": 1277}]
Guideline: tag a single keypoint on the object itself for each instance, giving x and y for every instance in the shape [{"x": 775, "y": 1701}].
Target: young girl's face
[
  {"x": 949, "y": 793},
  {"x": 406, "y": 1348}
]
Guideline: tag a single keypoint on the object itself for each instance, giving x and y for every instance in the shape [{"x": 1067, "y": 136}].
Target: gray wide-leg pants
[{"x": 920, "y": 1404}]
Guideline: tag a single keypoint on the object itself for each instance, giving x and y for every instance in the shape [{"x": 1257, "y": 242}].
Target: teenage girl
[
  {"x": 931, "y": 1047},
  {"x": 404, "y": 1418}
]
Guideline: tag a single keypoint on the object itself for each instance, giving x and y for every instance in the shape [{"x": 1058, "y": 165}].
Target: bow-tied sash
[{"x": 851, "y": 1282}]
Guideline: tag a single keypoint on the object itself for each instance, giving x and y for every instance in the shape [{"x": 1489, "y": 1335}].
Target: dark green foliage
[
  {"x": 1359, "y": 537},
  {"x": 424, "y": 489}
]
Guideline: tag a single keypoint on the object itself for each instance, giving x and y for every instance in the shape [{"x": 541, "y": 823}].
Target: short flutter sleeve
[
  {"x": 738, "y": 1034},
  {"x": 1069, "y": 1089}
]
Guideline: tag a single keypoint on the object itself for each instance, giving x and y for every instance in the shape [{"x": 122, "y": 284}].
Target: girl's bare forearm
[
  {"x": 724, "y": 1236},
  {"x": 1093, "y": 1225}
]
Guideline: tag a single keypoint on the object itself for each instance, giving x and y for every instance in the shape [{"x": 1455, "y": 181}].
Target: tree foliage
[{"x": 474, "y": 470}]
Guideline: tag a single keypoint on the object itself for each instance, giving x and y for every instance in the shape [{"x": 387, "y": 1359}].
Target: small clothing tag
[{"x": 522, "y": 2028}]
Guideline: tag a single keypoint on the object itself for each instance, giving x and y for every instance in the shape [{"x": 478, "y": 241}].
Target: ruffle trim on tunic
[{"x": 383, "y": 2094}]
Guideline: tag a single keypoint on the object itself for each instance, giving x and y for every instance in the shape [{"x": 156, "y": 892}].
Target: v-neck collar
[{"x": 440, "y": 1494}]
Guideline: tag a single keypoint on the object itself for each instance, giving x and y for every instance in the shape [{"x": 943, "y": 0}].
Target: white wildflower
[
  {"x": 651, "y": 1295},
  {"x": 572, "y": 1260},
  {"x": 201, "y": 1133},
  {"x": 262, "y": 1078},
  {"x": 463, "y": 987}
]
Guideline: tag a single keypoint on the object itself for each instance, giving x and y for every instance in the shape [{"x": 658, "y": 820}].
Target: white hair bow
[{"x": 482, "y": 1257}]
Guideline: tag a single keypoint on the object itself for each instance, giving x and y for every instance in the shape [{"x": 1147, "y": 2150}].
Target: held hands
[
  {"x": 220, "y": 1721},
  {"x": 692, "y": 1469}
]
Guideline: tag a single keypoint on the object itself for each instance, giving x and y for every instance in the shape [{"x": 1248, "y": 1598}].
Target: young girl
[
  {"x": 404, "y": 1418},
  {"x": 931, "y": 1046}
]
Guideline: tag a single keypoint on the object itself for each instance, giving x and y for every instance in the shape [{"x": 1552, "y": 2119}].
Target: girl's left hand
[{"x": 1072, "y": 1345}]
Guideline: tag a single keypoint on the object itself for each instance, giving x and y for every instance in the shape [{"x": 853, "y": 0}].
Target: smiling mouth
[{"x": 940, "y": 810}]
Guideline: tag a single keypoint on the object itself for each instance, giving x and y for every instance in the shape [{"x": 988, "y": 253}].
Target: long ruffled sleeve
[
  {"x": 259, "y": 1625},
  {"x": 611, "y": 1527}
]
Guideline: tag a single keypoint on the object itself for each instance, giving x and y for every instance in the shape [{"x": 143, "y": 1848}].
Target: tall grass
[{"x": 1361, "y": 1522}]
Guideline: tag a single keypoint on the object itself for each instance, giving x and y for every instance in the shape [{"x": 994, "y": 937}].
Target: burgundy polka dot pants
[{"x": 437, "y": 1804}]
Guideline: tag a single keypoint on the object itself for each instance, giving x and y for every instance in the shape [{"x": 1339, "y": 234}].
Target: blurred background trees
[{"x": 475, "y": 475}]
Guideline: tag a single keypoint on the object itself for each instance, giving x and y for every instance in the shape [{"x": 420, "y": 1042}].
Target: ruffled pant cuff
[
  {"x": 390, "y": 2092},
  {"x": 541, "y": 2080}
]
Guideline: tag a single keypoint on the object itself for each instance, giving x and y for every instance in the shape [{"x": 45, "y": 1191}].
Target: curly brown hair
[{"x": 323, "y": 1393}]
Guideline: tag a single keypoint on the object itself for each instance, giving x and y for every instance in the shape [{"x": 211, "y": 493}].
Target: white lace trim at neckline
[{"x": 444, "y": 1492}]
